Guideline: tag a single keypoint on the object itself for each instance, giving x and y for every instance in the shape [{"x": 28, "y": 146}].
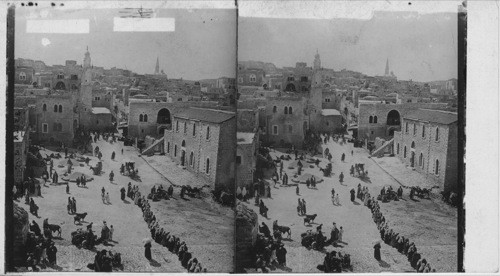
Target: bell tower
[
  {"x": 84, "y": 101},
  {"x": 317, "y": 61}
]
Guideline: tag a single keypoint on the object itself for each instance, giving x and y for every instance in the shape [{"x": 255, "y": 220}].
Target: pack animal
[{"x": 310, "y": 219}]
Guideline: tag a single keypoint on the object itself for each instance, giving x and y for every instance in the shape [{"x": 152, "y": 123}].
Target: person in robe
[
  {"x": 304, "y": 210},
  {"x": 353, "y": 195},
  {"x": 376, "y": 252},
  {"x": 113, "y": 155},
  {"x": 122, "y": 191},
  {"x": 147, "y": 250}
]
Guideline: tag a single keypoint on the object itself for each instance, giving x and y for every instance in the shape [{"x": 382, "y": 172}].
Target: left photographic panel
[{"x": 124, "y": 137}]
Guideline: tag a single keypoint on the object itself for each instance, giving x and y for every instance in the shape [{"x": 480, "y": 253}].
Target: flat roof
[
  {"x": 431, "y": 115},
  {"x": 100, "y": 110},
  {"x": 206, "y": 115},
  {"x": 330, "y": 112}
]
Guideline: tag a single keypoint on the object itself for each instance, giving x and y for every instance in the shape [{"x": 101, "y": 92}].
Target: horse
[{"x": 54, "y": 228}]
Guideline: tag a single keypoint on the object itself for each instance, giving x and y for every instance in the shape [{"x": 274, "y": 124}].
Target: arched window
[
  {"x": 412, "y": 145},
  {"x": 414, "y": 129},
  {"x": 253, "y": 78},
  {"x": 185, "y": 127},
  {"x": 436, "y": 171},
  {"x": 275, "y": 109},
  {"x": 421, "y": 160},
  {"x": 404, "y": 153},
  {"x": 60, "y": 108},
  {"x": 397, "y": 149},
  {"x": 208, "y": 132},
  {"x": 437, "y": 134},
  {"x": 60, "y": 76},
  {"x": 370, "y": 120},
  {"x": 145, "y": 117},
  {"x": 423, "y": 131},
  {"x": 55, "y": 108},
  {"x": 194, "y": 129},
  {"x": 22, "y": 76},
  {"x": 375, "y": 119},
  {"x": 406, "y": 127},
  {"x": 168, "y": 147},
  {"x": 177, "y": 125},
  {"x": 191, "y": 159},
  {"x": 44, "y": 108},
  {"x": 290, "y": 110},
  {"x": 183, "y": 144},
  {"x": 141, "y": 118},
  {"x": 286, "y": 109},
  {"x": 207, "y": 167},
  {"x": 175, "y": 151}
]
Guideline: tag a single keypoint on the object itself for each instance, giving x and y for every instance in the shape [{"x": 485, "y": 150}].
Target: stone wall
[
  {"x": 245, "y": 169},
  {"x": 226, "y": 157},
  {"x": 21, "y": 228},
  {"x": 247, "y": 227}
]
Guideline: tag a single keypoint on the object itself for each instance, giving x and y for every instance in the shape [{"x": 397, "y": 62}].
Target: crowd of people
[
  {"x": 269, "y": 250},
  {"x": 394, "y": 239},
  {"x": 40, "y": 250},
  {"x": 165, "y": 238}
]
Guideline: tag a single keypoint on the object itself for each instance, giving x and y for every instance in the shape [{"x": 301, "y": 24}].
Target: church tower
[
  {"x": 84, "y": 101},
  {"x": 387, "y": 68},
  {"x": 157, "y": 67},
  {"x": 317, "y": 61}
]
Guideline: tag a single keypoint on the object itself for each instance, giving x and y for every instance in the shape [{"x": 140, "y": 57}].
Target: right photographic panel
[{"x": 348, "y": 125}]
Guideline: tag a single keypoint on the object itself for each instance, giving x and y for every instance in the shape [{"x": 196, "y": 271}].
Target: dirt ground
[
  {"x": 429, "y": 223},
  {"x": 206, "y": 227}
]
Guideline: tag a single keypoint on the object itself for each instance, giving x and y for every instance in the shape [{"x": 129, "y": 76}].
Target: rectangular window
[
  {"x": 45, "y": 128},
  {"x": 290, "y": 128},
  {"x": 238, "y": 160},
  {"x": 423, "y": 131},
  {"x": 414, "y": 129},
  {"x": 275, "y": 130}
]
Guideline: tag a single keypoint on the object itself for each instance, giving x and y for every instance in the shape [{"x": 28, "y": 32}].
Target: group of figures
[
  {"x": 394, "y": 239},
  {"x": 270, "y": 251},
  {"x": 164, "y": 238},
  {"x": 40, "y": 249}
]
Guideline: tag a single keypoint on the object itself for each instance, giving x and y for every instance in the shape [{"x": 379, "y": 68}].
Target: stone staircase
[
  {"x": 381, "y": 150},
  {"x": 153, "y": 148}
]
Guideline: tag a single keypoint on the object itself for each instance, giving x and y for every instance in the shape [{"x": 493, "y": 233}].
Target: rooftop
[
  {"x": 434, "y": 116},
  {"x": 206, "y": 115},
  {"x": 245, "y": 137},
  {"x": 100, "y": 110},
  {"x": 330, "y": 112}
]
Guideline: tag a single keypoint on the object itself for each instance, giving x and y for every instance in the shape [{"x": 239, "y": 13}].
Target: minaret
[
  {"x": 387, "y": 68},
  {"x": 157, "y": 67},
  {"x": 86, "y": 59},
  {"x": 317, "y": 61}
]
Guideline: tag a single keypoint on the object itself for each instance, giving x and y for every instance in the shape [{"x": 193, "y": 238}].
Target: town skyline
[
  {"x": 420, "y": 47},
  {"x": 206, "y": 37}
]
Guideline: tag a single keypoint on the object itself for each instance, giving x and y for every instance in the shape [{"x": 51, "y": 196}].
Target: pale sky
[
  {"x": 422, "y": 47},
  {"x": 202, "y": 46}
]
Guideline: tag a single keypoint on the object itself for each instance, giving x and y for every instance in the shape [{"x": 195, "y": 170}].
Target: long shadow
[
  {"x": 126, "y": 201},
  {"x": 154, "y": 263},
  {"x": 415, "y": 200},
  {"x": 355, "y": 203},
  {"x": 383, "y": 264}
]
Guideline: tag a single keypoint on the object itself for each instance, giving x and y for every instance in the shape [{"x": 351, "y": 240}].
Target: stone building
[
  {"x": 377, "y": 119},
  {"x": 246, "y": 153},
  {"x": 298, "y": 78},
  {"x": 56, "y": 119},
  {"x": 250, "y": 77},
  {"x": 428, "y": 143},
  {"x": 21, "y": 141},
  {"x": 247, "y": 145},
  {"x": 203, "y": 141},
  {"x": 285, "y": 121},
  {"x": 153, "y": 118},
  {"x": 24, "y": 75}
]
